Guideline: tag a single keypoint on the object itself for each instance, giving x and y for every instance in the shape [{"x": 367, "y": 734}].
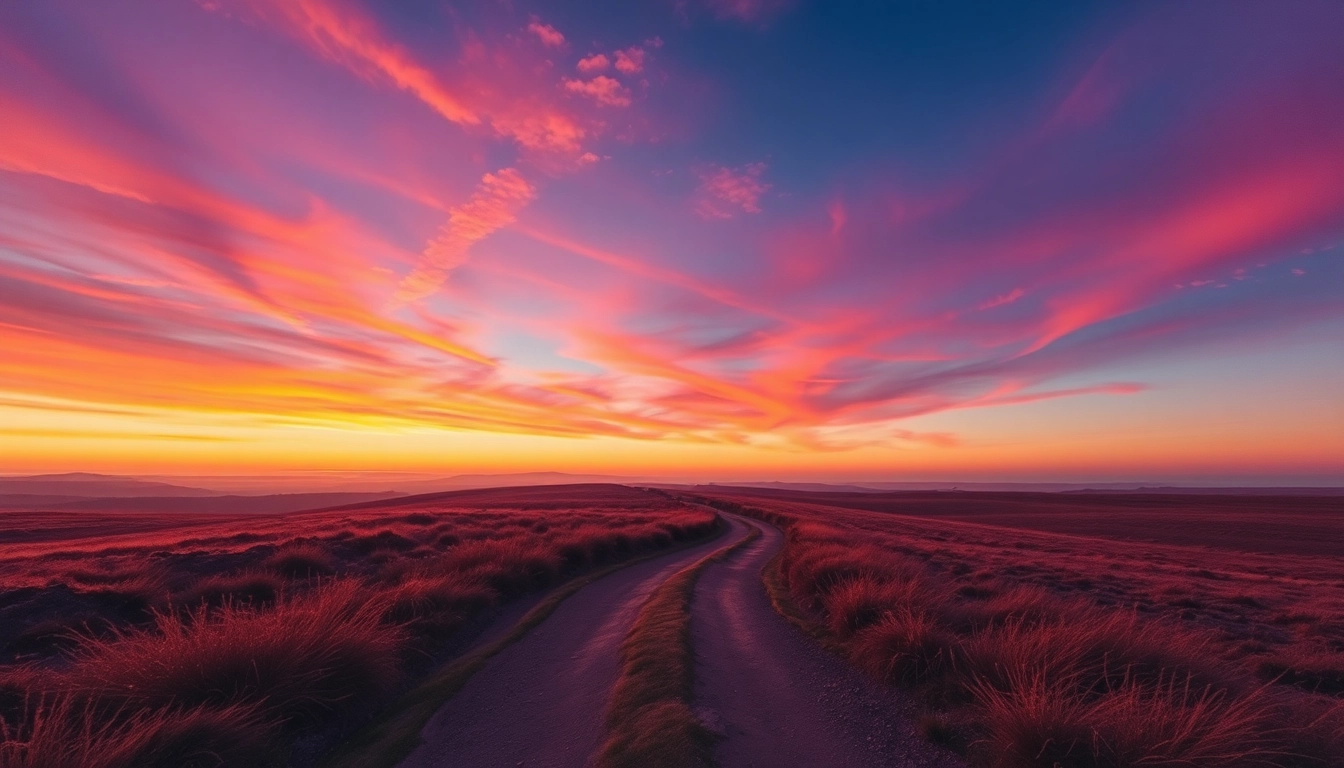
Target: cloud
[
  {"x": 494, "y": 205},
  {"x": 602, "y": 89},
  {"x": 546, "y": 33},
  {"x": 594, "y": 63},
  {"x": 1002, "y": 299},
  {"x": 725, "y": 192},
  {"x": 354, "y": 41},
  {"x": 344, "y": 36},
  {"x": 631, "y": 60}
]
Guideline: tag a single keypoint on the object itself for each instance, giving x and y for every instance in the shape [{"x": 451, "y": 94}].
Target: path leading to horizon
[
  {"x": 541, "y": 701},
  {"x": 775, "y": 697}
]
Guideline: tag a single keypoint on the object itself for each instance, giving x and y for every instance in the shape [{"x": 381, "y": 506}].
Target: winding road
[{"x": 775, "y": 697}]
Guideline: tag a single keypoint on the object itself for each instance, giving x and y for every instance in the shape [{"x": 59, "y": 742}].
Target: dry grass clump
[
  {"x": 255, "y": 588},
  {"x": 64, "y": 734},
  {"x": 1027, "y": 677},
  {"x": 430, "y": 605},
  {"x": 303, "y": 661},
  {"x": 304, "y": 560}
]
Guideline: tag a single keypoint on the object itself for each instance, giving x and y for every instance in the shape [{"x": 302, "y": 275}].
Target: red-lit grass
[
  {"x": 63, "y": 734},
  {"x": 1044, "y": 650},
  {"x": 304, "y": 661},
  {"x": 195, "y": 626},
  {"x": 254, "y": 588},
  {"x": 1036, "y": 717},
  {"x": 301, "y": 561}
]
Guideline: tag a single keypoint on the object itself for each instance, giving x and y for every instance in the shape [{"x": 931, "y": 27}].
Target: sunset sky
[{"x": 710, "y": 238}]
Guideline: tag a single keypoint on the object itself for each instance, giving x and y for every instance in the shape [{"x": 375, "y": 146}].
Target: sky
[{"x": 783, "y": 239}]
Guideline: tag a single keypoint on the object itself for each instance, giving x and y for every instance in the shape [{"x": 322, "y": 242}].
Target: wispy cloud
[{"x": 494, "y": 205}]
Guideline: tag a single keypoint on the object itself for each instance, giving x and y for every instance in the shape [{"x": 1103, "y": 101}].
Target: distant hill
[
  {"x": 273, "y": 504},
  {"x": 510, "y": 480},
  {"x": 89, "y": 485},
  {"x": 1082, "y": 488}
]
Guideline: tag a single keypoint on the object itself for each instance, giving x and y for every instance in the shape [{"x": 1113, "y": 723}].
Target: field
[
  {"x": 492, "y": 627},
  {"x": 202, "y": 639},
  {"x": 1081, "y": 629}
]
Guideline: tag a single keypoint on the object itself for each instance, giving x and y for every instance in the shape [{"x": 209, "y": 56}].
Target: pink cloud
[
  {"x": 594, "y": 63},
  {"x": 630, "y": 60},
  {"x": 546, "y": 33},
  {"x": 494, "y": 205},
  {"x": 725, "y": 192},
  {"x": 350, "y": 39},
  {"x": 602, "y": 89}
]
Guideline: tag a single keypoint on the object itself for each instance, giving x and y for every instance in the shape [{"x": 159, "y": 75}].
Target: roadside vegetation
[
  {"x": 651, "y": 722},
  {"x": 267, "y": 641},
  {"x": 1036, "y": 650}
]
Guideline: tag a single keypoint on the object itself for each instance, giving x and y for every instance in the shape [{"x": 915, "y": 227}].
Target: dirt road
[
  {"x": 776, "y": 698},
  {"x": 779, "y": 699},
  {"x": 541, "y": 702}
]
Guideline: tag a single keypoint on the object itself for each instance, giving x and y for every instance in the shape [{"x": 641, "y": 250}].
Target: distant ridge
[
  {"x": 87, "y": 484},
  {"x": 1136, "y": 487}
]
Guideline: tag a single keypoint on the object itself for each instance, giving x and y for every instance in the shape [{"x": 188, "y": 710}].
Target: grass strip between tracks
[
  {"x": 394, "y": 735},
  {"x": 650, "y": 720}
]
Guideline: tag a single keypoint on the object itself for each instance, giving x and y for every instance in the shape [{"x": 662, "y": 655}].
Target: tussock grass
[
  {"x": 62, "y": 733},
  {"x": 307, "y": 660}
]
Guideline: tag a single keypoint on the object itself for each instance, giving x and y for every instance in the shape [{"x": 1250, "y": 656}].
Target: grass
[
  {"x": 270, "y": 641},
  {"x": 62, "y": 734},
  {"x": 1016, "y": 674},
  {"x": 650, "y": 720}
]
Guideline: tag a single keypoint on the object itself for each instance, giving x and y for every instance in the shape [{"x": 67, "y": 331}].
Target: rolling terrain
[{"x": 604, "y": 625}]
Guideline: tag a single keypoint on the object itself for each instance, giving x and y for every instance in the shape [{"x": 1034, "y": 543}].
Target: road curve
[
  {"x": 540, "y": 703},
  {"x": 775, "y": 696}
]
